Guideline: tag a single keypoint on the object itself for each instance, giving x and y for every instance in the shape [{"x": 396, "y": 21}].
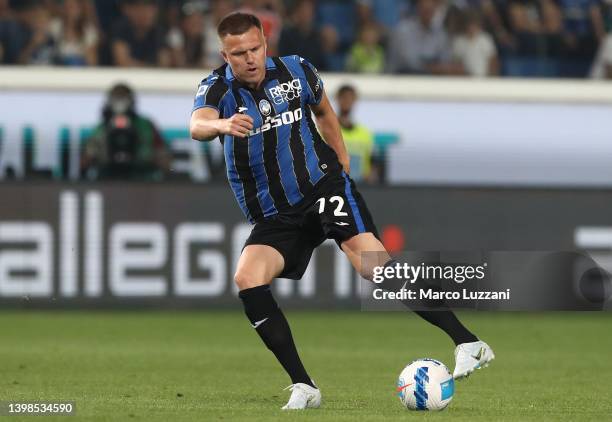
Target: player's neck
[{"x": 252, "y": 85}]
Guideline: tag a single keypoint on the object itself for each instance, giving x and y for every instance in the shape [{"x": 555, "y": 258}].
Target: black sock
[
  {"x": 272, "y": 326},
  {"x": 440, "y": 314},
  {"x": 447, "y": 321}
]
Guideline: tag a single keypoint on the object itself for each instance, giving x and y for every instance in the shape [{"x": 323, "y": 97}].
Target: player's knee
[
  {"x": 367, "y": 272},
  {"x": 246, "y": 280}
]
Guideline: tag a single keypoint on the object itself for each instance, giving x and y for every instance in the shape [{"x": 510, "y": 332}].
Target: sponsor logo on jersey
[
  {"x": 286, "y": 91},
  {"x": 271, "y": 122}
]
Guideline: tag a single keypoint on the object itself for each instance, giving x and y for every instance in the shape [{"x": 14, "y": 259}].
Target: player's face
[{"x": 246, "y": 54}]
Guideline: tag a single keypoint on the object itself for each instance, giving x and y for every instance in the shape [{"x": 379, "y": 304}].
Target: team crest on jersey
[
  {"x": 286, "y": 91},
  {"x": 265, "y": 107}
]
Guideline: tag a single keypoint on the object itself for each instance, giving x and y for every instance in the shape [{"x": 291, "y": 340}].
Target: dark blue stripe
[
  {"x": 312, "y": 160},
  {"x": 420, "y": 394},
  {"x": 256, "y": 160},
  {"x": 353, "y": 203},
  {"x": 230, "y": 162},
  {"x": 232, "y": 174},
  {"x": 285, "y": 157}
]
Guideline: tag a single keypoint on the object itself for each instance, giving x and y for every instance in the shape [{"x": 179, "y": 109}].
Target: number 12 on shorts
[{"x": 334, "y": 199}]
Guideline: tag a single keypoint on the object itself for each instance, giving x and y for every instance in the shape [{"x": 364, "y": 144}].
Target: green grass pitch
[{"x": 200, "y": 366}]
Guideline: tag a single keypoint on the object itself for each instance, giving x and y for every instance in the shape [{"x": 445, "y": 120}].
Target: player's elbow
[
  {"x": 198, "y": 133},
  {"x": 194, "y": 133}
]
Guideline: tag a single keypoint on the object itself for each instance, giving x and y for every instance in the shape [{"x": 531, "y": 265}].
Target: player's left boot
[
  {"x": 303, "y": 396},
  {"x": 471, "y": 356}
]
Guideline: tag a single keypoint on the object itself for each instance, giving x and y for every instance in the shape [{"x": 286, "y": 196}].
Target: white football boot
[
  {"x": 303, "y": 396},
  {"x": 471, "y": 356}
]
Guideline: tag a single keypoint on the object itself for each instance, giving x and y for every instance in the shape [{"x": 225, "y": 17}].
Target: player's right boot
[
  {"x": 303, "y": 396},
  {"x": 471, "y": 356}
]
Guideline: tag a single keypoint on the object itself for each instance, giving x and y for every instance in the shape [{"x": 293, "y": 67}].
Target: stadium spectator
[
  {"x": 367, "y": 55},
  {"x": 187, "y": 41},
  {"x": 125, "y": 145},
  {"x": 5, "y": 15},
  {"x": 301, "y": 37},
  {"x": 24, "y": 37},
  {"x": 7, "y": 26},
  {"x": 75, "y": 34},
  {"x": 270, "y": 14},
  {"x": 170, "y": 11},
  {"x": 583, "y": 26},
  {"x": 533, "y": 37},
  {"x": 496, "y": 22},
  {"x": 602, "y": 65},
  {"x": 606, "y": 11},
  {"x": 536, "y": 24},
  {"x": 137, "y": 40},
  {"x": 337, "y": 20},
  {"x": 212, "y": 46},
  {"x": 417, "y": 45},
  {"x": 358, "y": 139},
  {"x": 452, "y": 13},
  {"x": 5, "y": 9},
  {"x": 385, "y": 13},
  {"x": 107, "y": 12},
  {"x": 475, "y": 49}
]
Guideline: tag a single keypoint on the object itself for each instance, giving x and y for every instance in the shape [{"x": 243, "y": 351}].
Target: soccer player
[{"x": 293, "y": 184}]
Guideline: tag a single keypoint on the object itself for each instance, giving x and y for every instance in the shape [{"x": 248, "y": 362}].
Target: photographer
[{"x": 125, "y": 146}]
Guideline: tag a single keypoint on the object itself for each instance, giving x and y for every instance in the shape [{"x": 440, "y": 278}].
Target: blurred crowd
[{"x": 548, "y": 38}]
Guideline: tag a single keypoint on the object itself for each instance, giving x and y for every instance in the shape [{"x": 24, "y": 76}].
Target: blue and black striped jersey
[{"x": 284, "y": 157}]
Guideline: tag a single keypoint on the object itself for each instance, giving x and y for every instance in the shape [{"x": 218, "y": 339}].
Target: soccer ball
[{"x": 425, "y": 384}]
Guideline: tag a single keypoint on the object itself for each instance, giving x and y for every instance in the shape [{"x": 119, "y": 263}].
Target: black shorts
[{"x": 335, "y": 210}]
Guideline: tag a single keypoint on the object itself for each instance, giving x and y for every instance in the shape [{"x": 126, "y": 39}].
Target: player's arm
[
  {"x": 328, "y": 125},
  {"x": 206, "y": 125}
]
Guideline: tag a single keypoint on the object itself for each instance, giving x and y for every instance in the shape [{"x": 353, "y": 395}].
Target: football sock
[
  {"x": 447, "y": 321},
  {"x": 440, "y": 314},
  {"x": 272, "y": 326}
]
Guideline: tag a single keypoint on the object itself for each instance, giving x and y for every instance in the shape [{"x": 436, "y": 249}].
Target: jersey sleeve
[
  {"x": 210, "y": 93},
  {"x": 315, "y": 83}
]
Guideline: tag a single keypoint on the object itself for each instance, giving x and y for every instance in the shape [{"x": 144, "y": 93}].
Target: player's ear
[
  {"x": 224, "y": 55},
  {"x": 265, "y": 43}
]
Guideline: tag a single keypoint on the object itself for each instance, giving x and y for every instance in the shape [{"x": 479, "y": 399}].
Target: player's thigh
[
  {"x": 258, "y": 265},
  {"x": 365, "y": 252},
  {"x": 341, "y": 209}
]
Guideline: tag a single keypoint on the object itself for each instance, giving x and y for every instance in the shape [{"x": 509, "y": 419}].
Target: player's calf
[{"x": 272, "y": 327}]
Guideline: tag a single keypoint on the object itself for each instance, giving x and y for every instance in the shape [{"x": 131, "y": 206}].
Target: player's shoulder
[
  {"x": 214, "y": 84},
  {"x": 300, "y": 66},
  {"x": 294, "y": 59},
  {"x": 217, "y": 76}
]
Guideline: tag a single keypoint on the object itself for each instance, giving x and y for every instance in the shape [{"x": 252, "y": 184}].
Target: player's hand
[{"x": 238, "y": 125}]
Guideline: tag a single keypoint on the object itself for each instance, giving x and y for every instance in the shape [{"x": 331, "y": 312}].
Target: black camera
[{"x": 121, "y": 134}]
